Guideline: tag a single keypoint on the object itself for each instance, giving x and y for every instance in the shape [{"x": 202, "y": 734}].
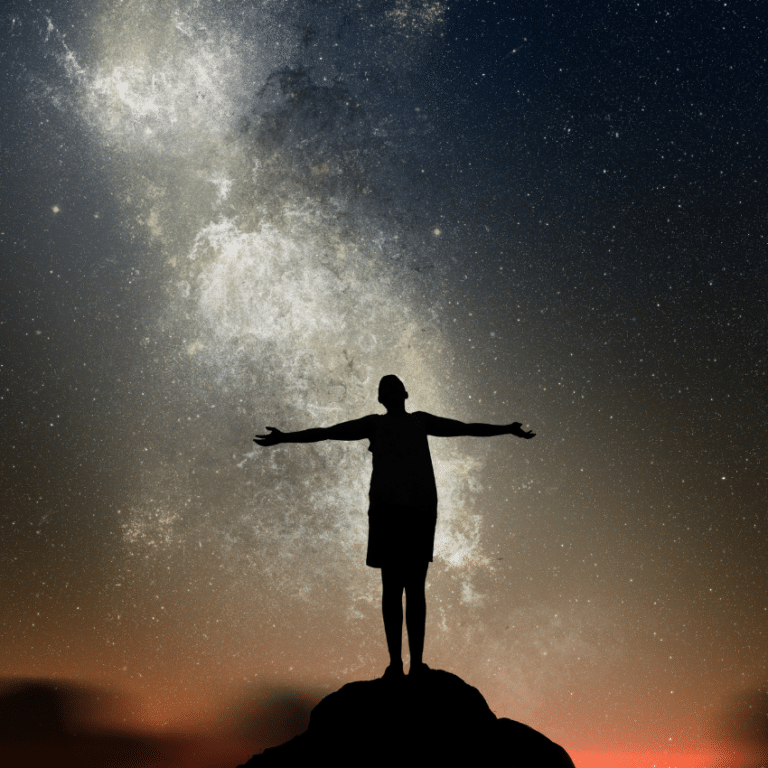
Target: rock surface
[{"x": 435, "y": 719}]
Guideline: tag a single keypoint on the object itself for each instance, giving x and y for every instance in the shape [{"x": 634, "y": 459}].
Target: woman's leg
[
  {"x": 416, "y": 610},
  {"x": 393, "y": 584}
]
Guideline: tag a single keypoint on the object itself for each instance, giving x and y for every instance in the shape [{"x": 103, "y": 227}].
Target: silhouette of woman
[{"x": 403, "y": 505}]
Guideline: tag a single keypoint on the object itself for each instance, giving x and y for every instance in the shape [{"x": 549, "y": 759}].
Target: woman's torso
[{"x": 402, "y": 465}]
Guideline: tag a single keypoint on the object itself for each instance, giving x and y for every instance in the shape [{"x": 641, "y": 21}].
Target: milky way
[{"x": 293, "y": 289}]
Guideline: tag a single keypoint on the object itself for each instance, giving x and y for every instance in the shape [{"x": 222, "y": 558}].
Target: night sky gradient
[{"x": 219, "y": 216}]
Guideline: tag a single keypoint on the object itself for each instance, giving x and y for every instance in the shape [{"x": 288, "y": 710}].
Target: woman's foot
[
  {"x": 418, "y": 670},
  {"x": 393, "y": 672}
]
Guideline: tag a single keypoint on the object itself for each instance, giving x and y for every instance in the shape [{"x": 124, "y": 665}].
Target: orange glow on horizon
[{"x": 713, "y": 759}]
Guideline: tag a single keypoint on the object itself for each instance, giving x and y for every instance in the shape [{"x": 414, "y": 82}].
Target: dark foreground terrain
[{"x": 436, "y": 719}]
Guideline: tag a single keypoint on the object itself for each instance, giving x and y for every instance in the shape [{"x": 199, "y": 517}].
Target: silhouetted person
[{"x": 403, "y": 504}]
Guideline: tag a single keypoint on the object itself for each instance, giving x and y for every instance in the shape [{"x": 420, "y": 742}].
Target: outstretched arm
[
  {"x": 358, "y": 429},
  {"x": 440, "y": 427}
]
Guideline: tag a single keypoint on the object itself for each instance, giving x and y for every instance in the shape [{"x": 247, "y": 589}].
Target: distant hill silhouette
[{"x": 436, "y": 719}]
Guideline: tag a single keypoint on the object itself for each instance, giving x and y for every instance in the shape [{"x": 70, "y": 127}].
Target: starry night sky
[{"x": 219, "y": 216}]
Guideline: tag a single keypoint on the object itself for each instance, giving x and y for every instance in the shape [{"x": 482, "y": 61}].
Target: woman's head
[{"x": 391, "y": 390}]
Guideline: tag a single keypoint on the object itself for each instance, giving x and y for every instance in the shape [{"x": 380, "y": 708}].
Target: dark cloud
[
  {"x": 50, "y": 709},
  {"x": 744, "y": 718},
  {"x": 46, "y": 720},
  {"x": 270, "y": 715}
]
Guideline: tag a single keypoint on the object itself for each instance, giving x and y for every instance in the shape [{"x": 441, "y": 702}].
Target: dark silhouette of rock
[{"x": 436, "y": 718}]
